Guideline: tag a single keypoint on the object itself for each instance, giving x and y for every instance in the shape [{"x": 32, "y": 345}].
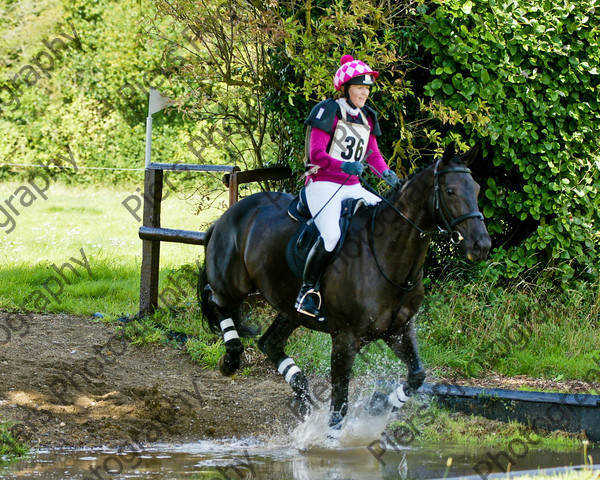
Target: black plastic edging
[{"x": 550, "y": 411}]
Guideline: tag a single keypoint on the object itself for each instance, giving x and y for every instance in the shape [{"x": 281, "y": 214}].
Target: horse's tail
[{"x": 203, "y": 291}]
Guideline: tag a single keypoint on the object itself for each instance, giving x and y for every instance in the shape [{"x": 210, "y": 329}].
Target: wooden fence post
[
  {"x": 151, "y": 233},
  {"x": 153, "y": 187}
]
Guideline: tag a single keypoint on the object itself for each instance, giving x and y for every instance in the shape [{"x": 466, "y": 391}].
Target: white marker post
[
  {"x": 155, "y": 104},
  {"x": 151, "y": 218}
]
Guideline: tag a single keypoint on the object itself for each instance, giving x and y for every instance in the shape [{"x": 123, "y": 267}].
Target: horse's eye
[{"x": 449, "y": 191}]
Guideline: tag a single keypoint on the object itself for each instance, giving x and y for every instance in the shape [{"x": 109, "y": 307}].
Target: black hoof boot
[
  {"x": 415, "y": 380},
  {"x": 335, "y": 426},
  {"x": 335, "y": 421}
]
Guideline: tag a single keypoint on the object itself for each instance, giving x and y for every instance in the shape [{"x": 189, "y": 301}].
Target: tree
[{"x": 218, "y": 55}]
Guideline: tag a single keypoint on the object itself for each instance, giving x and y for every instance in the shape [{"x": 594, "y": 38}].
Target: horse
[{"x": 371, "y": 290}]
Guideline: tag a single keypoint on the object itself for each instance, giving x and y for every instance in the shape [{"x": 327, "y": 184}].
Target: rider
[{"x": 343, "y": 134}]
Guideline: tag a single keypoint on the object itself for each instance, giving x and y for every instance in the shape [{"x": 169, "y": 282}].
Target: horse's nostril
[{"x": 482, "y": 247}]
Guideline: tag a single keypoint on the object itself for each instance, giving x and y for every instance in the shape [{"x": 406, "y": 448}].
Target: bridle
[{"x": 441, "y": 211}]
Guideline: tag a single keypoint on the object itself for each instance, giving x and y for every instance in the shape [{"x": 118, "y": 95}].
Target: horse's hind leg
[
  {"x": 222, "y": 313},
  {"x": 230, "y": 361},
  {"x": 272, "y": 344}
]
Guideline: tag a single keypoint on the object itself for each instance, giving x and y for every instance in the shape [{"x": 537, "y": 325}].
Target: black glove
[
  {"x": 391, "y": 178},
  {"x": 352, "y": 168}
]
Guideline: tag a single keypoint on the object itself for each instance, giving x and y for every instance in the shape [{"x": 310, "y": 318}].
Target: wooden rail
[
  {"x": 172, "y": 235},
  {"x": 152, "y": 233}
]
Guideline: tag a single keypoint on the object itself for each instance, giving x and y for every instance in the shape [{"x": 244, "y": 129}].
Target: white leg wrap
[
  {"x": 291, "y": 372},
  {"x": 284, "y": 364},
  {"x": 228, "y": 322},
  {"x": 229, "y": 331},
  {"x": 231, "y": 335},
  {"x": 288, "y": 368},
  {"x": 398, "y": 398}
]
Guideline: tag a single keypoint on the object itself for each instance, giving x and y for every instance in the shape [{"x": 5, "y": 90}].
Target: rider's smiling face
[{"x": 358, "y": 94}]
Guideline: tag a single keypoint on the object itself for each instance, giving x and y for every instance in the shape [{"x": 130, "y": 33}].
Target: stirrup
[{"x": 300, "y": 303}]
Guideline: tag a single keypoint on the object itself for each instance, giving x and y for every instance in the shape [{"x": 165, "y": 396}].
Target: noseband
[{"x": 442, "y": 209}]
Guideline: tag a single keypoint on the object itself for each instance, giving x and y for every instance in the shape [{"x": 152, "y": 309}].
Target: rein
[
  {"x": 408, "y": 286},
  {"x": 440, "y": 208}
]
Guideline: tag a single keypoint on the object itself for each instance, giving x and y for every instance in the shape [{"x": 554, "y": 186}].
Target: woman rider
[{"x": 343, "y": 134}]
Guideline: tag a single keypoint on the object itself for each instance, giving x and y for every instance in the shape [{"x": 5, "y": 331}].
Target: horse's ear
[
  {"x": 471, "y": 155},
  {"x": 449, "y": 153}
]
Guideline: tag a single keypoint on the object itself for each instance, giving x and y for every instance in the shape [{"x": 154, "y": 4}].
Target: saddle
[{"x": 307, "y": 233}]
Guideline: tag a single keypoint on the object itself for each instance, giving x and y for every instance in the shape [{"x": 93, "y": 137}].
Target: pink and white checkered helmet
[{"x": 353, "y": 69}]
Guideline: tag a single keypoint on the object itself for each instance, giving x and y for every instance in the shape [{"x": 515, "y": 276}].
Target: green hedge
[{"x": 533, "y": 68}]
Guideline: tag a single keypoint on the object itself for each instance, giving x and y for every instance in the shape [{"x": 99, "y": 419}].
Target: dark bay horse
[{"x": 370, "y": 291}]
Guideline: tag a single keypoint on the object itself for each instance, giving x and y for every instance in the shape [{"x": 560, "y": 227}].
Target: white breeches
[{"x": 319, "y": 194}]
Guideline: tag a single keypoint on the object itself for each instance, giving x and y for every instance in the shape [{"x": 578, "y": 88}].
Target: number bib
[{"x": 349, "y": 139}]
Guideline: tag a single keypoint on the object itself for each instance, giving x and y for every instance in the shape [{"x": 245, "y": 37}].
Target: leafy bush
[
  {"x": 533, "y": 67},
  {"x": 316, "y": 36}
]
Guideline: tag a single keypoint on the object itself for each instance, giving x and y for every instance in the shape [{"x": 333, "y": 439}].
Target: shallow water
[
  {"x": 360, "y": 451},
  {"x": 251, "y": 458}
]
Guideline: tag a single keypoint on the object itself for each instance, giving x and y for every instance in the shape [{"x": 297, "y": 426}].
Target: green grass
[
  {"x": 74, "y": 222},
  {"x": 524, "y": 329},
  {"x": 429, "y": 423},
  {"x": 10, "y": 448},
  {"x": 177, "y": 327}
]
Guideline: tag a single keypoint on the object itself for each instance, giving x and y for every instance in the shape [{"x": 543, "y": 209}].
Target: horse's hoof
[
  {"x": 225, "y": 367},
  {"x": 414, "y": 381},
  {"x": 301, "y": 407},
  {"x": 335, "y": 426},
  {"x": 335, "y": 432},
  {"x": 335, "y": 421},
  {"x": 378, "y": 404}
]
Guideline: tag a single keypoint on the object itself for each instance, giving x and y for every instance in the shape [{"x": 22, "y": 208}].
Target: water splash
[{"x": 359, "y": 428}]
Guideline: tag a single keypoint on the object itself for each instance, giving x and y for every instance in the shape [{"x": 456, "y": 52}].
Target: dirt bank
[{"x": 74, "y": 382}]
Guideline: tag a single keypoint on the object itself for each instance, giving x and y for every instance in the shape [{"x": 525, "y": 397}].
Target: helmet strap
[{"x": 346, "y": 90}]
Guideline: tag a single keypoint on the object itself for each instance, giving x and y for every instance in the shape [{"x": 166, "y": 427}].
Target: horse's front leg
[
  {"x": 343, "y": 352},
  {"x": 404, "y": 345}
]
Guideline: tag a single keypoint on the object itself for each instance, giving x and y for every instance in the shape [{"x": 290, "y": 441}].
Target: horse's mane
[{"x": 393, "y": 192}]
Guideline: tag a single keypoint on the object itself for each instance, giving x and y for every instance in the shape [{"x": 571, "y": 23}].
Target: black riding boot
[{"x": 309, "y": 299}]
